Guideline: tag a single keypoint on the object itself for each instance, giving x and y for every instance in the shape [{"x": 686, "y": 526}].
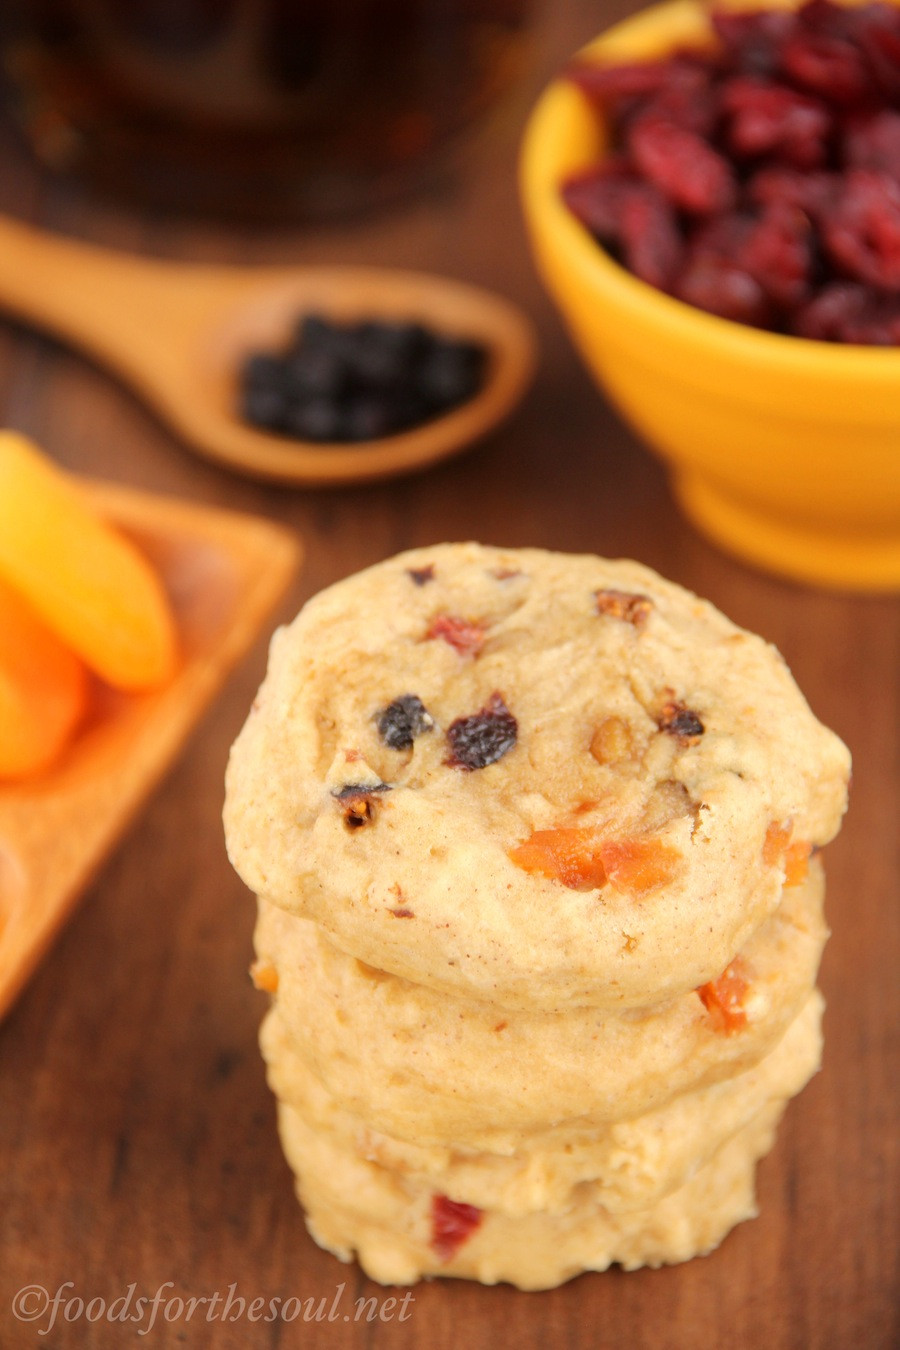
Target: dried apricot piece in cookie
[
  {"x": 43, "y": 690},
  {"x": 792, "y": 854},
  {"x": 85, "y": 580},
  {"x": 724, "y": 998},
  {"x": 582, "y": 860}
]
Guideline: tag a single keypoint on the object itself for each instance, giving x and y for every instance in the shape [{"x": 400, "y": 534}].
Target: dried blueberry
[
  {"x": 484, "y": 737},
  {"x": 679, "y": 720},
  {"x": 402, "y": 721},
  {"x": 358, "y": 381},
  {"x": 421, "y": 575}
]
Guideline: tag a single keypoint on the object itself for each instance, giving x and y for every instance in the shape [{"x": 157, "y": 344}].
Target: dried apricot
[
  {"x": 724, "y": 998},
  {"x": 43, "y": 690},
  {"x": 87, "y": 582},
  {"x": 582, "y": 859}
]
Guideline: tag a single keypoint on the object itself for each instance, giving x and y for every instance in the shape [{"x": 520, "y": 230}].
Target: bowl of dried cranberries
[{"x": 713, "y": 199}]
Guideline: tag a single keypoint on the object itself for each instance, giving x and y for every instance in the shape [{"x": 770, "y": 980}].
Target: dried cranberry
[
  {"x": 606, "y": 85},
  {"x": 484, "y": 737},
  {"x": 452, "y": 1222},
  {"x": 777, "y": 157},
  {"x": 751, "y": 39},
  {"x": 778, "y": 254},
  {"x": 651, "y": 243},
  {"x": 687, "y": 97},
  {"x": 874, "y": 143},
  {"x": 828, "y": 66},
  {"x": 862, "y": 234},
  {"x": 813, "y": 193},
  {"x": 463, "y": 635},
  {"x": 725, "y": 290},
  {"x": 825, "y": 317},
  {"x": 402, "y": 721},
  {"x": 767, "y": 118},
  {"x": 597, "y": 196},
  {"x": 689, "y": 172}
]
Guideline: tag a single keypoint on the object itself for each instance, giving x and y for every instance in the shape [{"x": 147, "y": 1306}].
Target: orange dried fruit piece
[
  {"x": 582, "y": 860},
  {"x": 724, "y": 998},
  {"x": 778, "y": 847},
  {"x": 87, "y": 582},
  {"x": 567, "y": 854},
  {"x": 43, "y": 690}
]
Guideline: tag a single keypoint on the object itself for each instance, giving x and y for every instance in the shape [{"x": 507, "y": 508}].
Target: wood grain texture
[{"x": 136, "y": 1132}]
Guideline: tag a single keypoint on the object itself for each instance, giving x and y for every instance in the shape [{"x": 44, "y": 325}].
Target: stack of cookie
[{"x": 531, "y": 836}]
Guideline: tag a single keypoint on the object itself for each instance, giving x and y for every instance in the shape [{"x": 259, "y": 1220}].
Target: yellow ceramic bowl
[{"x": 784, "y": 451}]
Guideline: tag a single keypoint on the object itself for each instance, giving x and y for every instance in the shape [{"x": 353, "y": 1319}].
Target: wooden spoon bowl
[{"x": 178, "y": 334}]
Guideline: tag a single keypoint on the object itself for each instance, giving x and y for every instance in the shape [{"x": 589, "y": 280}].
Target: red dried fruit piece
[
  {"x": 608, "y": 85},
  {"x": 831, "y": 67},
  {"x": 724, "y": 998},
  {"x": 687, "y": 98},
  {"x": 874, "y": 143},
  {"x": 877, "y": 325},
  {"x": 779, "y": 185},
  {"x": 597, "y": 196},
  {"x": 767, "y": 118},
  {"x": 778, "y": 253},
  {"x": 484, "y": 737},
  {"x": 722, "y": 289},
  {"x": 752, "y": 39},
  {"x": 625, "y": 605},
  {"x": 452, "y": 1222},
  {"x": 828, "y": 314},
  {"x": 650, "y": 239},
  {"x": 580, "y": 859},
  {"x": 689, "y": 171},
  {"x": 465, "y": 635},
  {"x": 862, "y": 235},
  {"x": 879, "y": 38}
]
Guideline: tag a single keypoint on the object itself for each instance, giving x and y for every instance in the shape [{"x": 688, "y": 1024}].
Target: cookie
[
  {"x": 428, "y": 1068},
  {"x": 399, "y": 1229},
  {"x": 632, "y": 1164},
  {"x": 536, "y": 780}
]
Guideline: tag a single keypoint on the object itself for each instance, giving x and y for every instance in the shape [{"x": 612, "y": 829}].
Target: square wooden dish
[{"x": 224, "y": 573}]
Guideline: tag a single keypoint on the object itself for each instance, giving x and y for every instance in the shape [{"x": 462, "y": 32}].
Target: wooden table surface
[{"x": 137, "y": 1134}]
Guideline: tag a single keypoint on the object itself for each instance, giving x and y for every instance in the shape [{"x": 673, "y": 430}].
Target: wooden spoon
[{"x": 178, "y": 332}]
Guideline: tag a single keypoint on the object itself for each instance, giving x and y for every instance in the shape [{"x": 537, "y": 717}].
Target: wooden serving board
[{"x": 224, "y": 573}]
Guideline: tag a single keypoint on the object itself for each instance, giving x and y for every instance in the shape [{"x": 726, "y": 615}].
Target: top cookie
[{"x": 536, "y": 779}]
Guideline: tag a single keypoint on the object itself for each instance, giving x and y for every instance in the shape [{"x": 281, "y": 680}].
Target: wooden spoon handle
[{"x": 96, "y": 298}]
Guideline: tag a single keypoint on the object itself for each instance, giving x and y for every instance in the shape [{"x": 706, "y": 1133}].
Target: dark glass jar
[{"x": 255, "y": 108}]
